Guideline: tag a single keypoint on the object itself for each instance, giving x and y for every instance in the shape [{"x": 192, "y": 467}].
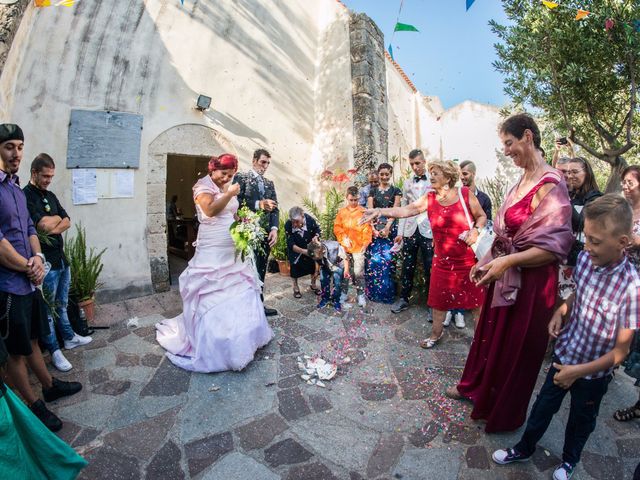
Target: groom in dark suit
[{"x": 259, "y": 193}]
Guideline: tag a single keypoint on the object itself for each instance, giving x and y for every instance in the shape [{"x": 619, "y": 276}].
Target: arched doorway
[{"x": 189, "y": 140}]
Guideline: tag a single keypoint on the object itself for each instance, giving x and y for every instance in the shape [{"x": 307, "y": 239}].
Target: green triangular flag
[{"x": 403, "y": 27}]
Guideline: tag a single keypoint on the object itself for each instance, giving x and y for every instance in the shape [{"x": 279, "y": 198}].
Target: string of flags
[
  {"x": 609, "y": 23},
  {"x": 50, "y": 3}
]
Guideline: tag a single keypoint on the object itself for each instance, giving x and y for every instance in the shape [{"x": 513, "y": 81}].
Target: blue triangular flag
[
  {"x": 182, "y": 2},
  {"x": 636, "y": 25},
  {"x": 469, "y": 3},
  {"x": 391, "y": 52}
]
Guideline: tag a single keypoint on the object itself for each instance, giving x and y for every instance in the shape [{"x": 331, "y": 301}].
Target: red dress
[
  {"x": 510, "y": 342},
  {"x": 450, "y": 286}
]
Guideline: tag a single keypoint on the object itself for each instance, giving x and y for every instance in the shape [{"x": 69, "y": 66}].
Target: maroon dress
[
  {"x": 450, "y": 286},
  {"x": 510, "y": 342}
]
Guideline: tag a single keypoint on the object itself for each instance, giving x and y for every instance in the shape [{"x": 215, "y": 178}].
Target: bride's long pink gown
[{"x": 223, "y": 321}]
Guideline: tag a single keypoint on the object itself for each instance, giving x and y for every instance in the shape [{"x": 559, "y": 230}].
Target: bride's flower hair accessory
[{"x": 226, "y": 161}]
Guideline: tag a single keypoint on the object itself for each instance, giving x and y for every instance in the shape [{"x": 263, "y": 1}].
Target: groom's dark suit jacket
[{"x": 250, "y": 194}]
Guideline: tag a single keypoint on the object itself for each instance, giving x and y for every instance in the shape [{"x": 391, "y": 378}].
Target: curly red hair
[{"x": 226, "y": 161}]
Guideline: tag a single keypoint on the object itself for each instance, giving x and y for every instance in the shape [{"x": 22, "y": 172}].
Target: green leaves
[
  {"x": 85, "y": 264},
  {"x": 333, "y": 202}
]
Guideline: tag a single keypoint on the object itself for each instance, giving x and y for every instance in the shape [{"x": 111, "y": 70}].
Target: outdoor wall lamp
[{"x": 203, "y": 102}]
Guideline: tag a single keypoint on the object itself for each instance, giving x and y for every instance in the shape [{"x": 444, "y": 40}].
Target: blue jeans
[
  {"x": 325, "y": 283},
  {"x": 586, "y": 396},
  {"x": 56, "y": 289}
]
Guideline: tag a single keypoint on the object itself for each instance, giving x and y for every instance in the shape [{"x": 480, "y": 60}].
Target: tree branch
[
  {"x": 632, "y": 106},
  {"x": 589, "y": 149}
]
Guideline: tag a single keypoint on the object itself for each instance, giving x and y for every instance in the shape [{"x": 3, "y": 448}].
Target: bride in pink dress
[{"x": 223, "y": 321}]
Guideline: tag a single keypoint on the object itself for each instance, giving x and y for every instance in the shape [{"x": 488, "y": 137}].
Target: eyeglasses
[
  {"x": 574, "y": 172},
  {"x": 628, "y": 183}
]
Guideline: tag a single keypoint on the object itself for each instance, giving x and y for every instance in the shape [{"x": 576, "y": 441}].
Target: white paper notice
[
  {"x": 123, "y": 184},
  {"x": 84, "y": 186}
]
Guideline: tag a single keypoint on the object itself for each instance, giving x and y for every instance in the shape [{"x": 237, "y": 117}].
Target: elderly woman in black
[{"x": 300, "y": 229}]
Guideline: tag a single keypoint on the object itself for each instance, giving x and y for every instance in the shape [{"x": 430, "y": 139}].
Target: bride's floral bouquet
[{"x": 247, "y": 232}]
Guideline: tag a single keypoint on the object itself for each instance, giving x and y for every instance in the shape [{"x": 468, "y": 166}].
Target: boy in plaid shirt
[{"x": 594, "y": 328}]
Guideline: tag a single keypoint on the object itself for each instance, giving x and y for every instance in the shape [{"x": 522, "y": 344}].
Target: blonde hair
[{"x": 448, "y": 168}]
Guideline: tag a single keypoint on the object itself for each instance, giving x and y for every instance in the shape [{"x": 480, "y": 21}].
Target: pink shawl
[{"x": 548, "y": 228}]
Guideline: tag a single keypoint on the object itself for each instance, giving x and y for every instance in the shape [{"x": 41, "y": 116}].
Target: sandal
[
  {"x": 626, "y": 414},
  {"x": 315, "y": 289},
  {"x": 430, "y": 342},
  {"x": 453, "y": 393},
  {"x": 297, "y": 294}
]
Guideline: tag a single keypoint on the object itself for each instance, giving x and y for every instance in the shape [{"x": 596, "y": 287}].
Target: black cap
[{"x": 10, "y": 131}]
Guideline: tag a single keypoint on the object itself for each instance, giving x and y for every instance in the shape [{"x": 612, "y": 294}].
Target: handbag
[{"x": 485, "y": 235}]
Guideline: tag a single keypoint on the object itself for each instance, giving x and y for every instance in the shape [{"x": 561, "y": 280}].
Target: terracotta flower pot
[
  {"x": 88, "y": 306},
  {"x": 284, "y": 267}
]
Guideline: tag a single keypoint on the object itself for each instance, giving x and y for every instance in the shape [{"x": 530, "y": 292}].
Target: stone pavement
[{"x": 382, "y": 417}]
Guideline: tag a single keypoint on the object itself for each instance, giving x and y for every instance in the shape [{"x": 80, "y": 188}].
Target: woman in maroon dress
[
  {"x": 450, "y": 285},
  {"x": 533, "y": 233}
]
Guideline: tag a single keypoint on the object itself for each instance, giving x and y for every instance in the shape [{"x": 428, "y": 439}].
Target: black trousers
[
  {"x": 262, "y": 257},
  {"x": 411, "y": 246},
  {"x": 586, "y": 396}
]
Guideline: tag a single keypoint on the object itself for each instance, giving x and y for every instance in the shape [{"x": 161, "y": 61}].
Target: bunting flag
[
  {"x": 549, "y": 5},
  {"x": 403, "y": 27},
  {"x": 391, "y": 53},
  {"x": 61, "y": 3},
  {"x": 582, "y": 14},
  {"x": 469, "y": 3}
]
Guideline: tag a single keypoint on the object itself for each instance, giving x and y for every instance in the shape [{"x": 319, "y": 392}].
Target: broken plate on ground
[{"x": 316, "y": 369}]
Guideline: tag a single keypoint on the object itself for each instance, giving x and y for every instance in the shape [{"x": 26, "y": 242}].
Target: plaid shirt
[{"x": 606, "y": 300}]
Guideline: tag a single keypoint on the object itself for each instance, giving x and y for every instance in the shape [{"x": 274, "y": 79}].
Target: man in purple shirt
[{"x": 24, "y": 317}]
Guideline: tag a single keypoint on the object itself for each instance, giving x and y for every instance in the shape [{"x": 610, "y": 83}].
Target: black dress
[{"x": 301, "y": 264}]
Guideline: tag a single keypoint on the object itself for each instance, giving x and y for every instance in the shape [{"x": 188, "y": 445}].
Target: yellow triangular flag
[
  {"x": 65, "y": 3},
  {"x": 581, "y": 14},
  {"x": 549, "y": 5},
  {"x": 43, "y": 3}
]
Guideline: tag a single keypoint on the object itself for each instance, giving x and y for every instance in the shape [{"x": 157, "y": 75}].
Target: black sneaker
[
  {"x": 509, "y": 455},
  {"x": 49, "y": 419},
  {"x": 60, "y": 389}
]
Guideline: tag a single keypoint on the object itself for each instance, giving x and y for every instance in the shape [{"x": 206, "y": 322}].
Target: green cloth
[
  {"x": 403, "y": 27},
  {"x": 30, "y": 450}
]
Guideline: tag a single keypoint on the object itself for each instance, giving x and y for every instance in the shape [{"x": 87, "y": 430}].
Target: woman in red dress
[
  {"x": 450, "y": 285},
  {"x": 533, "y": 233}
]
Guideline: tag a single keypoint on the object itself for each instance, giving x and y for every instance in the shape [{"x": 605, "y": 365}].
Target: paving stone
[
  {"x": 289, "y": 382},
  {"x": 289, "y": 366},
  {"x": 319, "y": 336},
  {"x": 422, "y": 436},
  {"x": 118, "y": 334},
  {"x": 286, "y": 452},
  {"x": 295, "y": 329},
  {"x": 319, "y": 403},
  {"x": 385, "y": 455},
  {"x": 143, "y": 306},
  {"x": 96, "y": 344},
  {"x": 93, "y": 412},
  {"x": 413, "y": 383},
  {"x": 68, "y": 432},
  {"x": 168, "y": 380},
  {"x": 291, "y": 404},
  {"x": 467, "y": 434},
  {"x": 311, "y": 471},
  {"x": 355, "y": 476},
  {"x": 112, "y": 387},
  {"x": 165, "y": 465},
  {"x": 98, "y": 376},
  {"x": 477, "y": 457},
  {"x": 127, "y": 360},
  {"x": 237, "y": 466},
  {"x": 544, "y": 459},
  {"x": 109, "y": 314},
  {"x": 206, "y": 451},
  {"x": 148, "y": 331},
  {"x": 602, "y": 466},
  {"x": 261, "y": 432},
  {"x": 144, "y": 438},
  {"x": 629, "y": 447},
  {"x": 288, "y": 346},
  {"x": 444, "y": 462},
  {"x": 378, "y": 391},
  {"x": 106, "y": 463},
  {"x": 151, "y": 360},
  {"x": 85, "y": 437}
]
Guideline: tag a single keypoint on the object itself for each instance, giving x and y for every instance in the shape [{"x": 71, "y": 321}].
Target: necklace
[
  {"x": 522, "y": 191},
  {"x": 441, "y": 197}
]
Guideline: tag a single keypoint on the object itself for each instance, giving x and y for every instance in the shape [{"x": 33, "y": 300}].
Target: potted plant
[
  {"x": 86, "y": 266},
  {"x": 279, "y": 251}
]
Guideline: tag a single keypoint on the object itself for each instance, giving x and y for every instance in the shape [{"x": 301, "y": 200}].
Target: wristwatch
[{"x": 42, "y": 257}]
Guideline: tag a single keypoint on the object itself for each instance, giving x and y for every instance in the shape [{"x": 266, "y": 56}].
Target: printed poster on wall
[{"x": 84, "y": 186}]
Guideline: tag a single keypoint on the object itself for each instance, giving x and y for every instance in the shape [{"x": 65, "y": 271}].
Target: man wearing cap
[{"x": 23, "y": 316}]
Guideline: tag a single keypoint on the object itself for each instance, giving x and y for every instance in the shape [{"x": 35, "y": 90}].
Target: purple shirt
[{"x": 16, "y": 227}]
